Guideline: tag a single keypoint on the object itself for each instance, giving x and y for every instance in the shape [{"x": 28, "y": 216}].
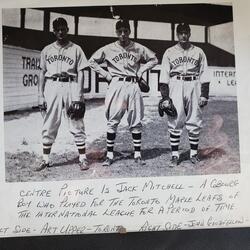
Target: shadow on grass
[{"x": 204, "y": 154}]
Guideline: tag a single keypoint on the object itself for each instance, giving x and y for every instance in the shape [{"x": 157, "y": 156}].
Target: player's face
[
  {"x": 61, "y": 32},
  {"x": 123, "y": 34},
  {"x": 183, "y": 36}
]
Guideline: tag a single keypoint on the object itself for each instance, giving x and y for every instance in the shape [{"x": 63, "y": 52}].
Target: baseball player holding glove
[
  {"x": 124, "y": 58},
  {"x": 184, "y": 86},
  {"x": 61, "y": 89}
]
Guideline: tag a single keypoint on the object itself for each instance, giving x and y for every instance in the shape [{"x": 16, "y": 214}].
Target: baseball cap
[
  {"x": 59, "y": 22},
  {"x": 123, "y": 23},
  {"x": 183, "y": 27}
]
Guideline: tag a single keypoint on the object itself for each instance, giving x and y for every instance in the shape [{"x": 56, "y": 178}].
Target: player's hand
[
  {"x": 139, "y": 74},
  {"x": 203, "y": 101},
  {"x": 109, "y": 77},
  {"x": 42, "y": 104}
]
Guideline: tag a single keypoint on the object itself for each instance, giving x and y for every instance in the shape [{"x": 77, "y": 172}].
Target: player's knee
[{"x": 136, "y": 129}]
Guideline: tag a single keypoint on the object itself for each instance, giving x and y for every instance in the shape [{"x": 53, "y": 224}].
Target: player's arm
[
  {"x": 151, "y": 60},
  {"x": 98, "y": 58},
  {"x": 41, "y": 84},
  {"x": 82, "y": 63},
  {"x": 164, "y": 76},
  {"x": 80, "y": 84},
  {"x": 204, "y": 80}
]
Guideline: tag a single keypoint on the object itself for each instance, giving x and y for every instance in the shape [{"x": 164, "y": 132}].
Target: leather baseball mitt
[
  {"x": 76, "y": 110},
  {"x": 167, "y": 106},
  {"x": 143, "y": 85}
]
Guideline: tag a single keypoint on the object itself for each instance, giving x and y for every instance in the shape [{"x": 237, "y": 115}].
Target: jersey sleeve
[
  {"x": 149, "y": 57},
  {"x": 98, "y": 58},
  {"x": 204, "y": 72},
  {"x": 147, "y": 54},
  {"x": 82, "y": 61},
  {"x": 43, "y": 60},
  {"x": 165, "y": 69}
]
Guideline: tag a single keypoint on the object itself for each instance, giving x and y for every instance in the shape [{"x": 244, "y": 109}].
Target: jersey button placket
[{"x": 185, "y": 52}]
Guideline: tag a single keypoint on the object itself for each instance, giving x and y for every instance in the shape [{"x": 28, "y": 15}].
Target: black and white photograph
[{"x": 119, "y": 91}]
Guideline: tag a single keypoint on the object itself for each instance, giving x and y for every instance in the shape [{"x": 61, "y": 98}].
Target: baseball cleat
[
  {"x": 174, "y": 162},
  {"x": 83, "y": 164},
  {"x": 139, "y": 161},
  {"x": 107, "y": 162},
  {"x": 195, "y": 159},
  {"x": 42, "y": 166}
]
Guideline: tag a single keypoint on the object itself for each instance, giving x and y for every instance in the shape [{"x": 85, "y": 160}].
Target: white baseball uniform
[
  {"x": 185, "y": 71},
  {"x": 123, "y": 93},
  {"x": 59, "y": 94}
]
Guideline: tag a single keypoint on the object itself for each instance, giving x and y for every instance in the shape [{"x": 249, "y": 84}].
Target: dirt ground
[{"x": 219, "y": 146}]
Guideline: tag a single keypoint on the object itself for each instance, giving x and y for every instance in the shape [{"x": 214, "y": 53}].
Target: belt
[
  {"x": 62, "y": 79},
  {"x": 128, "y": 79},
  {"x": 187, "y": 78}
]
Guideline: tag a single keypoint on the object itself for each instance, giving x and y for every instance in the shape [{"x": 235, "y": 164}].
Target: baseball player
[
  {"x": 184, "y": 82},
  {"x": 61, "y": 89},
  {"x": 124, "y": 70}
]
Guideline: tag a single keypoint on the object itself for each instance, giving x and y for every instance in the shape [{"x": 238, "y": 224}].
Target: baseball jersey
[
  {"x": 123, "y": 61},
  {"x": 177, "y": 61},
  {"x": 57, "y": 59}
]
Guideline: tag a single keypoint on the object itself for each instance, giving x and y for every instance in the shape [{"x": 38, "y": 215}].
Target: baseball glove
[
  {"x": 167, "y": 106},
  {"x": 143, "y": 85},
  {"x": 76, "y": 110}
]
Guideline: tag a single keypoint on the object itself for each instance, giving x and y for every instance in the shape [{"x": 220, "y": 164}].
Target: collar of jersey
[
  {"x": 180, "y": 48},
  {"x": 60, "y": 47},
  {"x": 129, "y": 45}
]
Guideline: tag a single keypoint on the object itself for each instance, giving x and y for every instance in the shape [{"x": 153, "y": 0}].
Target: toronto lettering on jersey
[
  {"x": 185, "y": 59},
  {"x": 124, "y": 55},
  {"x": 54, "y": 58}
]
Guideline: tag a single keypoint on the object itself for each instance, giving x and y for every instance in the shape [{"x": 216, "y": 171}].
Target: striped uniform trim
[
  {"x": 136, "y": 136},
  {"x": 175, "y": 132},
  {"x": 110, "y": 149},
  {"x": 110, "y": 141},
  {"x": 47, "y": 145},
  {"x": 174, "y": 139},
  {"x": 194, "y": 141},
  {"x": 47, "y": 148},
  {"x": 80, "y": 145},
  {"x": 136, "y": 132},
  {"x": 137, "y": 141},
  {"x": 111, "y": 136}
]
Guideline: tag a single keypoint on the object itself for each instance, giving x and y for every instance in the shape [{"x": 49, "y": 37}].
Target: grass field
[{"x": 219, "y": 146}]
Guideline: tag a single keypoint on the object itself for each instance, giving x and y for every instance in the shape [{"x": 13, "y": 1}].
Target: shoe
[
  {"x": 83, "y": 164},
  {"x": 139, "y": 161},
  {"x": 195, "y": 159},
  {"x": 174, "y": 162},
  {"x": 107, "y": 162},
  {"x": 42, "y": 166}
]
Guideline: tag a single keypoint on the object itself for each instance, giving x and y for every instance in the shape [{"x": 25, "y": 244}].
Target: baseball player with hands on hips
[
  {"x": 184, "y": 86},
  {"x": 61, "y": 91},
  {"x": 124, "y": 72}
]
